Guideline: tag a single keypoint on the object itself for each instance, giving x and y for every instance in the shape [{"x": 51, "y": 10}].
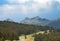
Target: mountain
[
  {"x": 55, "y": 23},
  {"x": 36, "y": 21},
  {"x": 42, "y": 21}
]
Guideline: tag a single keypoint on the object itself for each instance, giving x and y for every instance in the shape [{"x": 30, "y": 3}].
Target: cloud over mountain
[{"x": 28, "y": 7}]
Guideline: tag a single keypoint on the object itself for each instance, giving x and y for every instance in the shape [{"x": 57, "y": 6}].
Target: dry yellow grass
[
  {"x": 7, "y": 40},
  {"x": 28, "y": 38}
]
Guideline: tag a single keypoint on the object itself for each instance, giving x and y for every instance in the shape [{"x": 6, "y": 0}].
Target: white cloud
[
  {"x": 22, "y": 1},
  {"x": 57, "y": 0},
  {"x": 6, "y": 10},
  {"x": 23, "y": 9},
  {"x": 35, "y": 7},
  {"x": 17, "y": 1},
  {"x": 13, "y": 9},
  {"x": 41, "y": 1},
  {"x": 26, "y": 9},
  {"x": 37, "y": 1}
]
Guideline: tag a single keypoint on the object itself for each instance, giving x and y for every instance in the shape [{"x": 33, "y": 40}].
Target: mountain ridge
[{"x": 42, "y": 21}]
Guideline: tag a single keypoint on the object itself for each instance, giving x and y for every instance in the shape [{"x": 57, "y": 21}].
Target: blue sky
[{"x": 17, "y": 10}]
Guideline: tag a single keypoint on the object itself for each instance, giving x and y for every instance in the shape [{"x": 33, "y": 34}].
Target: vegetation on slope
[
  {"x": 12, "y": 30},
  {"x": 53, "y": 36}
]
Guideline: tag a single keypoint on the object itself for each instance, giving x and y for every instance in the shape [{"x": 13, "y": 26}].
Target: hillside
[
  {"x": 12, "y": 30},
  {"x": 55, "y": 24}
]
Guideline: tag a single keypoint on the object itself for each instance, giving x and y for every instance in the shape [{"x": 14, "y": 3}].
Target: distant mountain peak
[
  {"x": 37, "y": 18},
  {"x": 26, "y": 18},
  {"x": 58, "y": 19},
  {"x": 35, "y": 21},
  {"x": 42, "y": 21}
]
